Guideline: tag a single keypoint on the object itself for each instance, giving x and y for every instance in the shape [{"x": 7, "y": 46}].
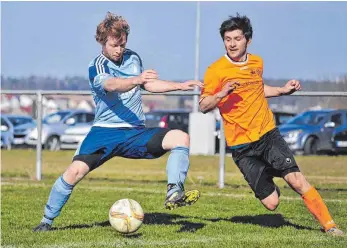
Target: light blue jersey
[{"x": 116, "y": 109}]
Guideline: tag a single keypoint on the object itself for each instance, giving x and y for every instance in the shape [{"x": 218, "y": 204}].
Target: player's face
[
  {"x": 236, "y": 44},
  {"x": 114, "y": 48}
]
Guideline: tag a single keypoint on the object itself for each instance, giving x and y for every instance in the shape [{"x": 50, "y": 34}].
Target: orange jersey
[{"x": 245, "y": 112}]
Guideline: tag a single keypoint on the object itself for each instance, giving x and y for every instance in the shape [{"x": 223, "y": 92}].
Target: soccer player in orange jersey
[{"x": 235, "y": 85}]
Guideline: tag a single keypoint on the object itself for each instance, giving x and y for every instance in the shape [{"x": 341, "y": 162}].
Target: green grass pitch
[{"x": 229, "y": 217}]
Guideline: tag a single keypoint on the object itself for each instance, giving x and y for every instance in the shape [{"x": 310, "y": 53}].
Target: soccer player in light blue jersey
[{"x": 115, "y": 79}]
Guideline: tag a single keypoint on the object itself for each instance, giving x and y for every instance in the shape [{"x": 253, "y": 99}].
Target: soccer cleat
[
  {"x": 334, "y": 231},
  {"x": 181, "y": 198},
  {"x": 42, "y": 227}
]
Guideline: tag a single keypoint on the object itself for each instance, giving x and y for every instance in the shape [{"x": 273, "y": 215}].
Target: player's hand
[
  {"x": 190, "y": 84},
  {"x": 291, "y": 86},
  {"x": 228, "y": 88},
  {"x": 146, "y": 75}
]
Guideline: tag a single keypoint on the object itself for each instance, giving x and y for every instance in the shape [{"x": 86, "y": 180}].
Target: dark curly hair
[{"x": 237, "y": 22}]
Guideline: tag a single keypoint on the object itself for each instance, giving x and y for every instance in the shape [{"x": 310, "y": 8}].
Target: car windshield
[
  {"x": 55, "y": 118},
  {"x": 282, "y": 118},
  {"x": 19, "y": 120},
  {"x": 308, "y": 118}
]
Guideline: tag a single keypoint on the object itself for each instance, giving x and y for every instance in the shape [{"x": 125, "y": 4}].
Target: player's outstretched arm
[
  {"x": 289, "y": 88},
  {"x": 126, "y": 84},
  {"x": 158, "y": 86}
]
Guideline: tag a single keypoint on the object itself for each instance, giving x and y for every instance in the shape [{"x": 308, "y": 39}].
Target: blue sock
[
  {"x": 59, "y": 195},
  {"x": 177, "y": 168}
]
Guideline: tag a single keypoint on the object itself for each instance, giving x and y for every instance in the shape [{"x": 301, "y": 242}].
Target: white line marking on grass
[
  {"x": 153, "y": 191},
  {"x": 128, "y": 242},
  {"x": 137, "y": 243},
  {"x": 174, "y": 243}
]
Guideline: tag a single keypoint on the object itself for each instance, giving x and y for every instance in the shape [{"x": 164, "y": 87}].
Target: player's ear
[{"x": 249, "y": 42}]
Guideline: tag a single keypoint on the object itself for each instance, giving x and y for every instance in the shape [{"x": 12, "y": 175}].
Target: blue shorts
[{"x": 103, "y": 143}]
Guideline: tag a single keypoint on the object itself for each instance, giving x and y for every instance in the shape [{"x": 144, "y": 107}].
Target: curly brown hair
[{"x": 114, "y": 26}]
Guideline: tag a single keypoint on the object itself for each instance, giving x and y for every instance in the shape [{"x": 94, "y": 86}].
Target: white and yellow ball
[{"x": 126, "y": 215}]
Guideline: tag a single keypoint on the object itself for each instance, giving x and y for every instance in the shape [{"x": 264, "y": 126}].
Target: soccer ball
[{"x": 126, "y": 216}]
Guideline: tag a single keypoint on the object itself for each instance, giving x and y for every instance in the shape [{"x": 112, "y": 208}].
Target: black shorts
[{"x": 264, "y": 159}]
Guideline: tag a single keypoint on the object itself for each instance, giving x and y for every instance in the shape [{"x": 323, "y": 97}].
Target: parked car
[
  {"x": 282, "y": 117},
  {"x": 55, "y": 124},
  {"x": 312, "y": 131},
  {"x": 179, "y": 119},
  {"x": 22, "y": 126},
  {"x": 174, "y": 119},
  {"x": 339, "y": 141},
  {"x": 6, "y": 133},
  {"x": 73, "y": 136}
]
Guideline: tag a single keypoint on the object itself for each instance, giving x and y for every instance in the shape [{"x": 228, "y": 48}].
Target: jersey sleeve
[
  {"x": 98, "y": 74},
  {"x": 211, "y": 82},
  {"x": 138, "y": 63}
]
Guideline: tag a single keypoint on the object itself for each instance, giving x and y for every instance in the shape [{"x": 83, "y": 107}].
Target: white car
[
  {"x": 54, "y": 125},
  {"x": 73, "y": 136}
]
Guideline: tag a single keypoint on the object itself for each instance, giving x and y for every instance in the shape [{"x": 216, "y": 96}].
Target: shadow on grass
[
  {"x": 172, "y": 219},
  {"x": 150, "y": 219},
  {"x": 82, "y": 226},
  {"x": 264, "y": 220},
  {"x": 97, "y": 224}
]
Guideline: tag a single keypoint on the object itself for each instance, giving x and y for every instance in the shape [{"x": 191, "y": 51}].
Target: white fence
[{"x": 40, "y": 93}]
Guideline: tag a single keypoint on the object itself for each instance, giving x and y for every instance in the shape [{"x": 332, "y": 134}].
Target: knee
[
  {"x": 75, "y": 172},
  {"x": 176, "y": 138},
  {"x": 271, "y": 202},
  {"x": 272, "y": 205},
  {"x": 184, "y": 139}
]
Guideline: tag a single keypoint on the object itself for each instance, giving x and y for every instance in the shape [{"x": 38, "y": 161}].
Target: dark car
[
  {"x": 312, "y": 131},
  {"x": 339, "y": 141},
  {"x": 173, "y": 119}
]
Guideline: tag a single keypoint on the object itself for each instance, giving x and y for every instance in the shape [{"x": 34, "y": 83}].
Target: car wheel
[
  {"x": 311, "y": 146},
  {"x": 52, "y": 143}
]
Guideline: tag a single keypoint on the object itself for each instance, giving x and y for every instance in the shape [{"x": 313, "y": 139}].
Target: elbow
[
  {"x": 109, "y": 87},
  {"x": 203, "y": 109}
]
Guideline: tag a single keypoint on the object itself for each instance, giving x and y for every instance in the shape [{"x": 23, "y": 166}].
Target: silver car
[
  {"x": 73, "y": 136},
  {"x": 54, "y": 125}
]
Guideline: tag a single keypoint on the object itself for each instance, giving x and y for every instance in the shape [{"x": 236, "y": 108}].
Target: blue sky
[{"x": 305, "y": 40}]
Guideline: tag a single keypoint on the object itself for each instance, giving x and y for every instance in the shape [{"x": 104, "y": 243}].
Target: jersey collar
[{"x": 236, "y": 62}]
